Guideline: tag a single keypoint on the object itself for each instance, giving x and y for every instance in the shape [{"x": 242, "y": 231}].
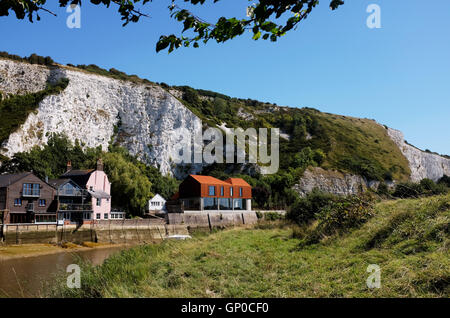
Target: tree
[
  {"x": 129, "y": 187},
  {"x": 263, "y": 18}
]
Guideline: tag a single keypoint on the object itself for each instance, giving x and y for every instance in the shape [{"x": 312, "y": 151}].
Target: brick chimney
[
  {"x": 100, "y": 164},
  {"x": 69, "y": 166}
]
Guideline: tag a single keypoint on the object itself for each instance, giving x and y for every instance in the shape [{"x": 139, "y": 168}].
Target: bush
[
  {"x": 345, "y": 213},
  {"x": 445, "y": 180},
  {"x": 408, "y": 190},
  {"x": 305, "y": 209},
  {"x": 431, "y": 188},
  {"x": 272, "y": 216},
  {"x": 426, "y": 187}
]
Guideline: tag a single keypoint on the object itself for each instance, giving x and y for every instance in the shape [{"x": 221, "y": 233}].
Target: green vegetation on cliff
[
  {"x": 408, "y": 239},
  {"x": 15, "y": 109},
  {"x": 359, "y": 146}
]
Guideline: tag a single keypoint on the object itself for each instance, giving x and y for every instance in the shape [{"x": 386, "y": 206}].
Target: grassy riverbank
[{"x": 408, "y": 239}]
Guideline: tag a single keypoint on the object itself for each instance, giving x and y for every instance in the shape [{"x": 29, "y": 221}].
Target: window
[
  {"x": 231, "y": 191},
  {"x": 221, "y": 191},
  {"x": 225, "y": 204},
  {"x": 105, "y": 216},
  {"x": 31, "y": 189},
  {"x": 98, "y": 216},
  {"x": 212, "y": 190},
  {"x": 17, "y": 202},
  {"x": 240, "y": 192},
  {"x": 42, "y": 202},
  {"x": 210, "y": 204},
  {"x": 99, "y": 202},
  {"x": 91, "y": 188}
]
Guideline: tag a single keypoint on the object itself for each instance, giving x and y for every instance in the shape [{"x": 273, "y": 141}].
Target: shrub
[
  {"x": 431, "y": 188},
  {"x": 340, "y": 215},
  {"x": 445, "y": 180},
  {"x": 408, "y": 190},
  {"x": 272, "y": 216},
  {"x": 426, "y": 187},
  {"x": 305, "y": 209}
]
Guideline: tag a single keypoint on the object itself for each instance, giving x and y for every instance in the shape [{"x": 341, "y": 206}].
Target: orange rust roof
[
  {"x": 237, "y": 182},
  {"x": 208, "y": 179}
]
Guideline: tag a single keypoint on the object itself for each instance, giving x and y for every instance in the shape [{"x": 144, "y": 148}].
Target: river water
[{"x": 25, "y": 277}]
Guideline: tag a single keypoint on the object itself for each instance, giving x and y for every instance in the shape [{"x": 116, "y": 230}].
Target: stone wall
[
  {"x": 105, "y": 231},
  {"x": 211, "y": 220}
]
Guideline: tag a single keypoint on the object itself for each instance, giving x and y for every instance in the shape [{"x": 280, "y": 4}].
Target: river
[{"x": 25, "y": 277}]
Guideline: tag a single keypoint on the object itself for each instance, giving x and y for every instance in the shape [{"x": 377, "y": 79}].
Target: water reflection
[{"x": 25, "y": 277}]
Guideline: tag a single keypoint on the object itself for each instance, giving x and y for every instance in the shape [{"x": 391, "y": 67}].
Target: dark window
[
  {"x": 98, "y": 216},
  {"x": 221, "y": 191},
  {"x": 17, "y": 202},
  {"x": 225, "y": 204},
  {"x": 99, "y": 202},
  {"x": 240, "y": 192},
  {"x": 212, "y": 190},
  {"x": 239, "y": 204},
  {"x": 42, "y": 202},
  {"x": 105, "y": 216},
  {"x": 209, "y": 203}
]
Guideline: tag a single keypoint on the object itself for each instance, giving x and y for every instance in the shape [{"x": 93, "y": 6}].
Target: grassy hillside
[
  {"x": 360, "y": 146},
  {"x": 408, "y": 239}
]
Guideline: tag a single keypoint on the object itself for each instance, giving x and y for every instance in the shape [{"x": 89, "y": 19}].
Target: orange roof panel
[
  {"x": 237, "y": 182},
  {"x": 208, "y": 179}
]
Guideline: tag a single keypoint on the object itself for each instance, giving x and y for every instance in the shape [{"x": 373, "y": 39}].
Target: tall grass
[{"x": 408, "y": 239}]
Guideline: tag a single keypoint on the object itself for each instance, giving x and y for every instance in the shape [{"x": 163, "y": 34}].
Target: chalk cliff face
[
  {"x": 332, "y": 182},
  {"x": 423, "y": 164},
  {"x": 150, "y": 121}
]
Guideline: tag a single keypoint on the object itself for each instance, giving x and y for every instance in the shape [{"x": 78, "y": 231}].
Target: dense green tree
[
  {"x": 266, "y": 19},
  {"x": 130, "y": 189}
]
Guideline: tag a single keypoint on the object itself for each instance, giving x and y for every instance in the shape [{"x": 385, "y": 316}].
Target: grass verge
[{"x": 408, "y": 239}]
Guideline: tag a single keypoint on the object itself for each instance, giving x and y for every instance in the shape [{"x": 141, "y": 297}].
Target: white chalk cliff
[
  {"x": 422, "y": 164},
  {"x": 152, "y": 121}
]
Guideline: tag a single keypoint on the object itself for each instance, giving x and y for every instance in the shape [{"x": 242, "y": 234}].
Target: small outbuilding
[{"x": 156, "y": 205}]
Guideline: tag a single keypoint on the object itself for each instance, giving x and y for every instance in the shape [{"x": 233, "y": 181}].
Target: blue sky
[{"x": 398, "y": 75}]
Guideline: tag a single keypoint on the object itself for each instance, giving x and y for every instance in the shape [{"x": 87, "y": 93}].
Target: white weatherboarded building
[{"x": 157, "y": 204}]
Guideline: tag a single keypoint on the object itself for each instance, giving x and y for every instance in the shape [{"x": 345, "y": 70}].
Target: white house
[{"x": 156, "y": 204}]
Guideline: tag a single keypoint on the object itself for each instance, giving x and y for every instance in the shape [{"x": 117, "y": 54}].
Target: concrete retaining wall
[
  {"x": 211, "y": 220},
  {"x": 124, "y": 231},
  {"x": 104, "y": 231}
]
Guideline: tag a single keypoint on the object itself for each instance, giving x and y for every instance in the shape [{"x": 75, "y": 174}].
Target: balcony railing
[
  {"x": 75, "y": 207},
  {"x": 31, "y": 193},
  {"x": 71, "y": 192}
]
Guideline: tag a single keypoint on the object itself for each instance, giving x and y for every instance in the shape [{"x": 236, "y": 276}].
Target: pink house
[{"x": 93, "y": 185}]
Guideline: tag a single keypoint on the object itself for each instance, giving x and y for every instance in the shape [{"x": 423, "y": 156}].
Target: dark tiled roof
[
  {"x": 8, "y": 179},
  {"x": 80, "y": 177},
  {"x": 57, "y": 182}
]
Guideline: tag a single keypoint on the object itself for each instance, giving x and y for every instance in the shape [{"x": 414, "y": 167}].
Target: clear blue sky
[{"x": 398, "y": 75}]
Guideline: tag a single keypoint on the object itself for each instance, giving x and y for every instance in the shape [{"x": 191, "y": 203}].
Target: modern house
[
  {"x": 84, "y": 195},
  {"x": 205, "y": 193},
  {"x": 156, "y": 205},
  {"x": 24, "y": 198}
]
